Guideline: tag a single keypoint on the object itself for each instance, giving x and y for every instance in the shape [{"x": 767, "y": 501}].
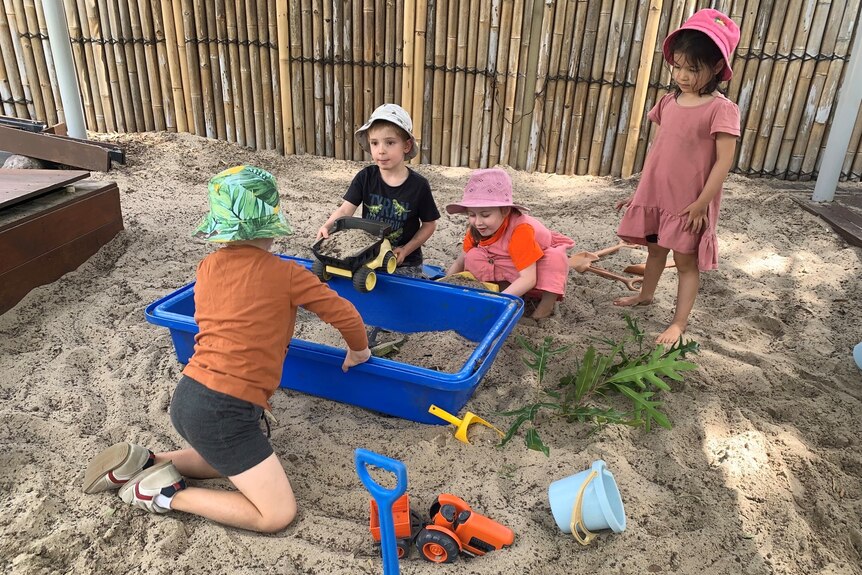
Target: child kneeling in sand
[
  {"x": 504, "y": 245},
  {"x": 245, "y": 307}
]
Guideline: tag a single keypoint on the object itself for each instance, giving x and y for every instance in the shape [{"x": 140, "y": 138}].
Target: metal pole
[
  {"x": 67, "y": 81},
  {"x": 842, "y": 125}
]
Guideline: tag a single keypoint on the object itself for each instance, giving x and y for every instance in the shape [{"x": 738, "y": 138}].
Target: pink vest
[{"x": 494, "y": 263}]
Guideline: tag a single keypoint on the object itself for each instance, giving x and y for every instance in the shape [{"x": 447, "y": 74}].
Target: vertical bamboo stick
[
  {"x": 124, "y": 78},
  {"x": 24, "y": 47},
  {"x": 338, "y": 88},
  {"x": 284, "y": 71},
  {"x": 438, "y": 81},
  {"x": 132, "y": 68},
  {"x": 255, "y": 67},
  {"x": 512, "y": 82},
  {"x": 399, "y": 49},
  {"x": 525, "y": 99},
  {"x": 328, "y": 73},
  {"x": 203, "y": 61},
  {"x": 80, "y": 64},
  {"x": 480, "y": 81},
  {"x": 490, "y": 85},
  {"x": 8, "y": 105},
  {"x": 163, "y": 71},
  {"x": 294, "y": 19},
  {"x": 101, "y": 123},
  {"x": 274, "y": 65},
  {"x": 448, "y": 88},
  {"x": 419, "y": 74},
  {"x": 234, "y": 72},
  {"x": 501, "y": 81},
  {"x": 114, "y": 80},
  {"x": 460, "y": 81},
  {"x": 572, "y": 64},
  {"x": 599, "y": 163},
  {"x": 193, "y": 68},
  {"x": 55, "y": 111},
  {"x": 245, "y": 77},
  {"x": 265, "y": 76},
  {"x": 634, "y": 20},
  {"x": 379, "y": 48},
  {"x": 182, "y": 55},
  {"x": 428, "y": 81},
  {"x": 545, "y": 38},
  {"x": 347, "y": 75},
  {"x": 100, "y": 65},
  {"x": 409, "y": 63},
  {"x": 369, "y": 101},
  {"x": 223, "y": 69},
  {"x": 308, "y": 76},
  {"x": 174, "y": 69},
  {"x": 212, "y": 49},
  {"x": 560, "y": 44},
  {"x": 316, "y": 84},
  {"x": 595, "y": 91},
  {"x": 591, "y": 25},
  {"x": 141, "y": 66},
  {"x": 391, "y": 24},
  {"x": 7, "y": 50},
  {"x": 152, "y": 59},
  {"x": 359, "y": 115}
]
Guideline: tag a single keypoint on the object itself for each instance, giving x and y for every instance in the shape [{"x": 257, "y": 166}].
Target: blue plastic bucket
[
  {"x": 587, "y": 501},
  {"x": 857, "y": 355}
]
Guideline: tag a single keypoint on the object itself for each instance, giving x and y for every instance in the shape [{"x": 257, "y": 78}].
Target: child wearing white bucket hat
[
  {"x": 245, "y": 307},
  {"x": 389, "y": 191},
  {"x": 505, "y": 245}
]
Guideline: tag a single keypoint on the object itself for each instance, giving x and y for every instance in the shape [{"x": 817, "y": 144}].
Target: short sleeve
[
  {"x": 468, "y": 243},
  {"x": 427, "y": 209},
  {"x": 725, "y": 119},
  {"x": 654, "y": 115},
  {"x": 355, "y": 193},
  {"x": 523, "y": 248}
]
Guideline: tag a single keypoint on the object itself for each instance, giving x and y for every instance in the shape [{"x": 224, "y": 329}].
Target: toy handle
[
  {"x": 384, "y": 498},
  {"x": 444, "y": 415},
  {"x": 577, "y": 522}
]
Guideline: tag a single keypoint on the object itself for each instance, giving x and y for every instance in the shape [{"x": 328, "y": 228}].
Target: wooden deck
[{"x": 844, "y": 214}]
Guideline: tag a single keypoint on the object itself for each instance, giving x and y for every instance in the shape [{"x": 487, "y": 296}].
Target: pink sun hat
[
  {"x": 489, "y": 188},
  {"x": 720, "y": 29}
]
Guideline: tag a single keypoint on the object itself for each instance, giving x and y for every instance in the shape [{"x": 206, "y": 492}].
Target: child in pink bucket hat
[
  {"x": 506, "y": 246},
  {"x": 675, "y": 207}
]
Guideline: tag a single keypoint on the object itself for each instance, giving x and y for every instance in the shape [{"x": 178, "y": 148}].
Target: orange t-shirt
[
  {"x": 245, "y": 307},
  {"x": 523, "y": 247}
]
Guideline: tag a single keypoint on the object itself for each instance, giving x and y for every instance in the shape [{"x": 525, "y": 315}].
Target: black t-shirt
[{"x": 403, "y": 207}]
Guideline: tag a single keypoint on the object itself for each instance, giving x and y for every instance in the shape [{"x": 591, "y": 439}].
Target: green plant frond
[
  {"x": 513, "y": 429},
  {"x": 534, "y": 442},
  {"x": 647, "y": 406}
]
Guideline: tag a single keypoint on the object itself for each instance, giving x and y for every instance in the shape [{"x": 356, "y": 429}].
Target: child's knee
[
  {"x": 685, "y": 262},
  {"x": 278, "y": 519}
]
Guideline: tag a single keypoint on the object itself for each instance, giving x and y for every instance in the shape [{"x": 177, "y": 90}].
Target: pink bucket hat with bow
[
  {"x": 720, "y": 29},
  {"x": 490, "y": 188}
]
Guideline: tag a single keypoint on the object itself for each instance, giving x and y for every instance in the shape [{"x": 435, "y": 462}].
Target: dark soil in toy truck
[{"x": 352, "y": 242}]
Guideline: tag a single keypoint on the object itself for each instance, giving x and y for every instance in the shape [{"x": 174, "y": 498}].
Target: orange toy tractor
[{"x": 455, "y": 528}]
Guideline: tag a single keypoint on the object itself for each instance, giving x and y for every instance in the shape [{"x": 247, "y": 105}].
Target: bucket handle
[{"x": 577, "y": 522}]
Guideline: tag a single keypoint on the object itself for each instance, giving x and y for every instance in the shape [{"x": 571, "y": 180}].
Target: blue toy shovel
[{"x": 384, "y": 498}]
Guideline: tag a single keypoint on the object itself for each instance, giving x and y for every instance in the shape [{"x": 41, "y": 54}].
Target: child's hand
[
  {"x": 582, "y": 260},
  {"x": 355, "y": 358},
  {"x": 400, "y": 254},
  {"x": 697, "y": 218},
  {"x": 323, "y": 232},
  {"x": 624, "y": 203}
]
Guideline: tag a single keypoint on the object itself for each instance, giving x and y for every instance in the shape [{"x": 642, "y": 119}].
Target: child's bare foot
[
  {"x": 545, "y": 307},
  {"x": 541, "y": 313},
  {"x": 670, "y": 336},
  {"x": 633, "y": 300}
]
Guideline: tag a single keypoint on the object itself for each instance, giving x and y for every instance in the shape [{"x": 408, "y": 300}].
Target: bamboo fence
[{"x": 558, "y": 86}]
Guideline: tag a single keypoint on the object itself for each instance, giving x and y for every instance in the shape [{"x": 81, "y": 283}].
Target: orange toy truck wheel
[{"x": 437, "y": 546}]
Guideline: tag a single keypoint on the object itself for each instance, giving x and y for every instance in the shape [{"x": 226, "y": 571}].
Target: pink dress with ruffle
[{"x": 677, "y": 167}]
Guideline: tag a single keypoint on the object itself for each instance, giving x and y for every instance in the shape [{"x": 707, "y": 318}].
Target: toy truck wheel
[
  {"x": 364, "y": 280},
  {"x": 436, "y": 546},
  {"x": 319, "y": 269},
  {"x": 403, "y": 546},
  {"x": 390, "y": 262}
]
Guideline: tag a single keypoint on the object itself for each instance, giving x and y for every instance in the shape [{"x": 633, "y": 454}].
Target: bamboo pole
[
  {"x": 368, "y": 57},
  {"x": 182, "y": 56},
  {"x": 114, "y": 80},
  {"x": 501, "y": 81},
  {"x": 193, "y": 68},
  {"x": 469, "y": 82},
  {"x": 284, "y": 72},
  {"x": 379, "y": 48},
  {"x": 594, "y": 91},
  {"x": 124, "y": 25},
  {"x": 347, "y": 79},
  {"x": 465, "y": 24},
  {"x": 7, "y": 50},
  {"x": 75, "y": 37},
  {"x": 591, "y": 26},
  {"x": 55, "y": 111},
  {"x": 275, "y": 80},
  {"x": 328, "y": 79},
  {"x": 574, "y": 59},
  {"x": 294, "y": 20},
  {"x": 545, "y": 38},
  {"x": 308, "y": 76},
  {"x": 428, "y": 82},
  {"x": 160, "y": 112},
  {"x": 234, "y": 72},
  {"x": 599, "y": 163},
  {"x": 124, "y": 78},
  {"x": 8, "y": 104},
  {"x": 359, "y": 114},
  {"x": 24, "y": 47},
  {"x": 165, "y": 91},
  {"x": 490, "y": 85},
  {"x": 245, "y": 77},
  {"x": 214, "y": 69},
  {"x": 315, "y": 85},
  {"x": 93, "y": 80},
  {"x": 174, "y": 68},
  {"x": 448, "y": 89},
  {"x": 638, "y": 109},
  {"x": 512, "y": 82},
  {"x": 391, "y": 24},
  {"x": 564, "y": 22},
  {"x": 222, "y": 69},
  {"x": 399, "y": 49},
  {"x": 260, "y": 71},
  {"x": 338, "y": 38},
  {"x": 475, "y": 86},
  {"x": 104, "y": 90},
  {"x": 629, "y": 56},
  {"x": 438, "y": 81},
  {"x": 203, "y": 61},
  {"x": 419, "y": 74},
  {"x": 530, "y": 57},
  {"x": 409, "y": 63}
]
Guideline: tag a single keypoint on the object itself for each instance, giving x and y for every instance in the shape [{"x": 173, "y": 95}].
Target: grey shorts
[{"x": 224, "y": 430}]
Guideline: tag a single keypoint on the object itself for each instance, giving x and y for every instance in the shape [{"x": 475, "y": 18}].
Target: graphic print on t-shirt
[{"x": 391, "y": 212}]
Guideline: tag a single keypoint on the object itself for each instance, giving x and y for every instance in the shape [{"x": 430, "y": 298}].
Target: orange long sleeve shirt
[{"x": 245, "y": 307}]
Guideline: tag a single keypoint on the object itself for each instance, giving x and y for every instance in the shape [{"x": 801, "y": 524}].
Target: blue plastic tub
[{"x": 397, "y": 303}]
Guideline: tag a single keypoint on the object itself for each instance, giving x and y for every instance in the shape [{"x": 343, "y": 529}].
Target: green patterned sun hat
[{"x": 243, "y": 206}]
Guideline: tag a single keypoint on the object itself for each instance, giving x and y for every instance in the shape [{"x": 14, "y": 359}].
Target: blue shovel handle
[{"x": 384, "y": 498}]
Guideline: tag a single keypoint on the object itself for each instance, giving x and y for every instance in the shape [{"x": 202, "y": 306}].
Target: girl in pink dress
[
  {"x": 505, "y": 245},
  {"x": 675, "y": 206}
]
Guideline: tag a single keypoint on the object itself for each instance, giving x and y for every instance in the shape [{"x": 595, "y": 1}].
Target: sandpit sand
[{"x": 760, "y": 473}]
